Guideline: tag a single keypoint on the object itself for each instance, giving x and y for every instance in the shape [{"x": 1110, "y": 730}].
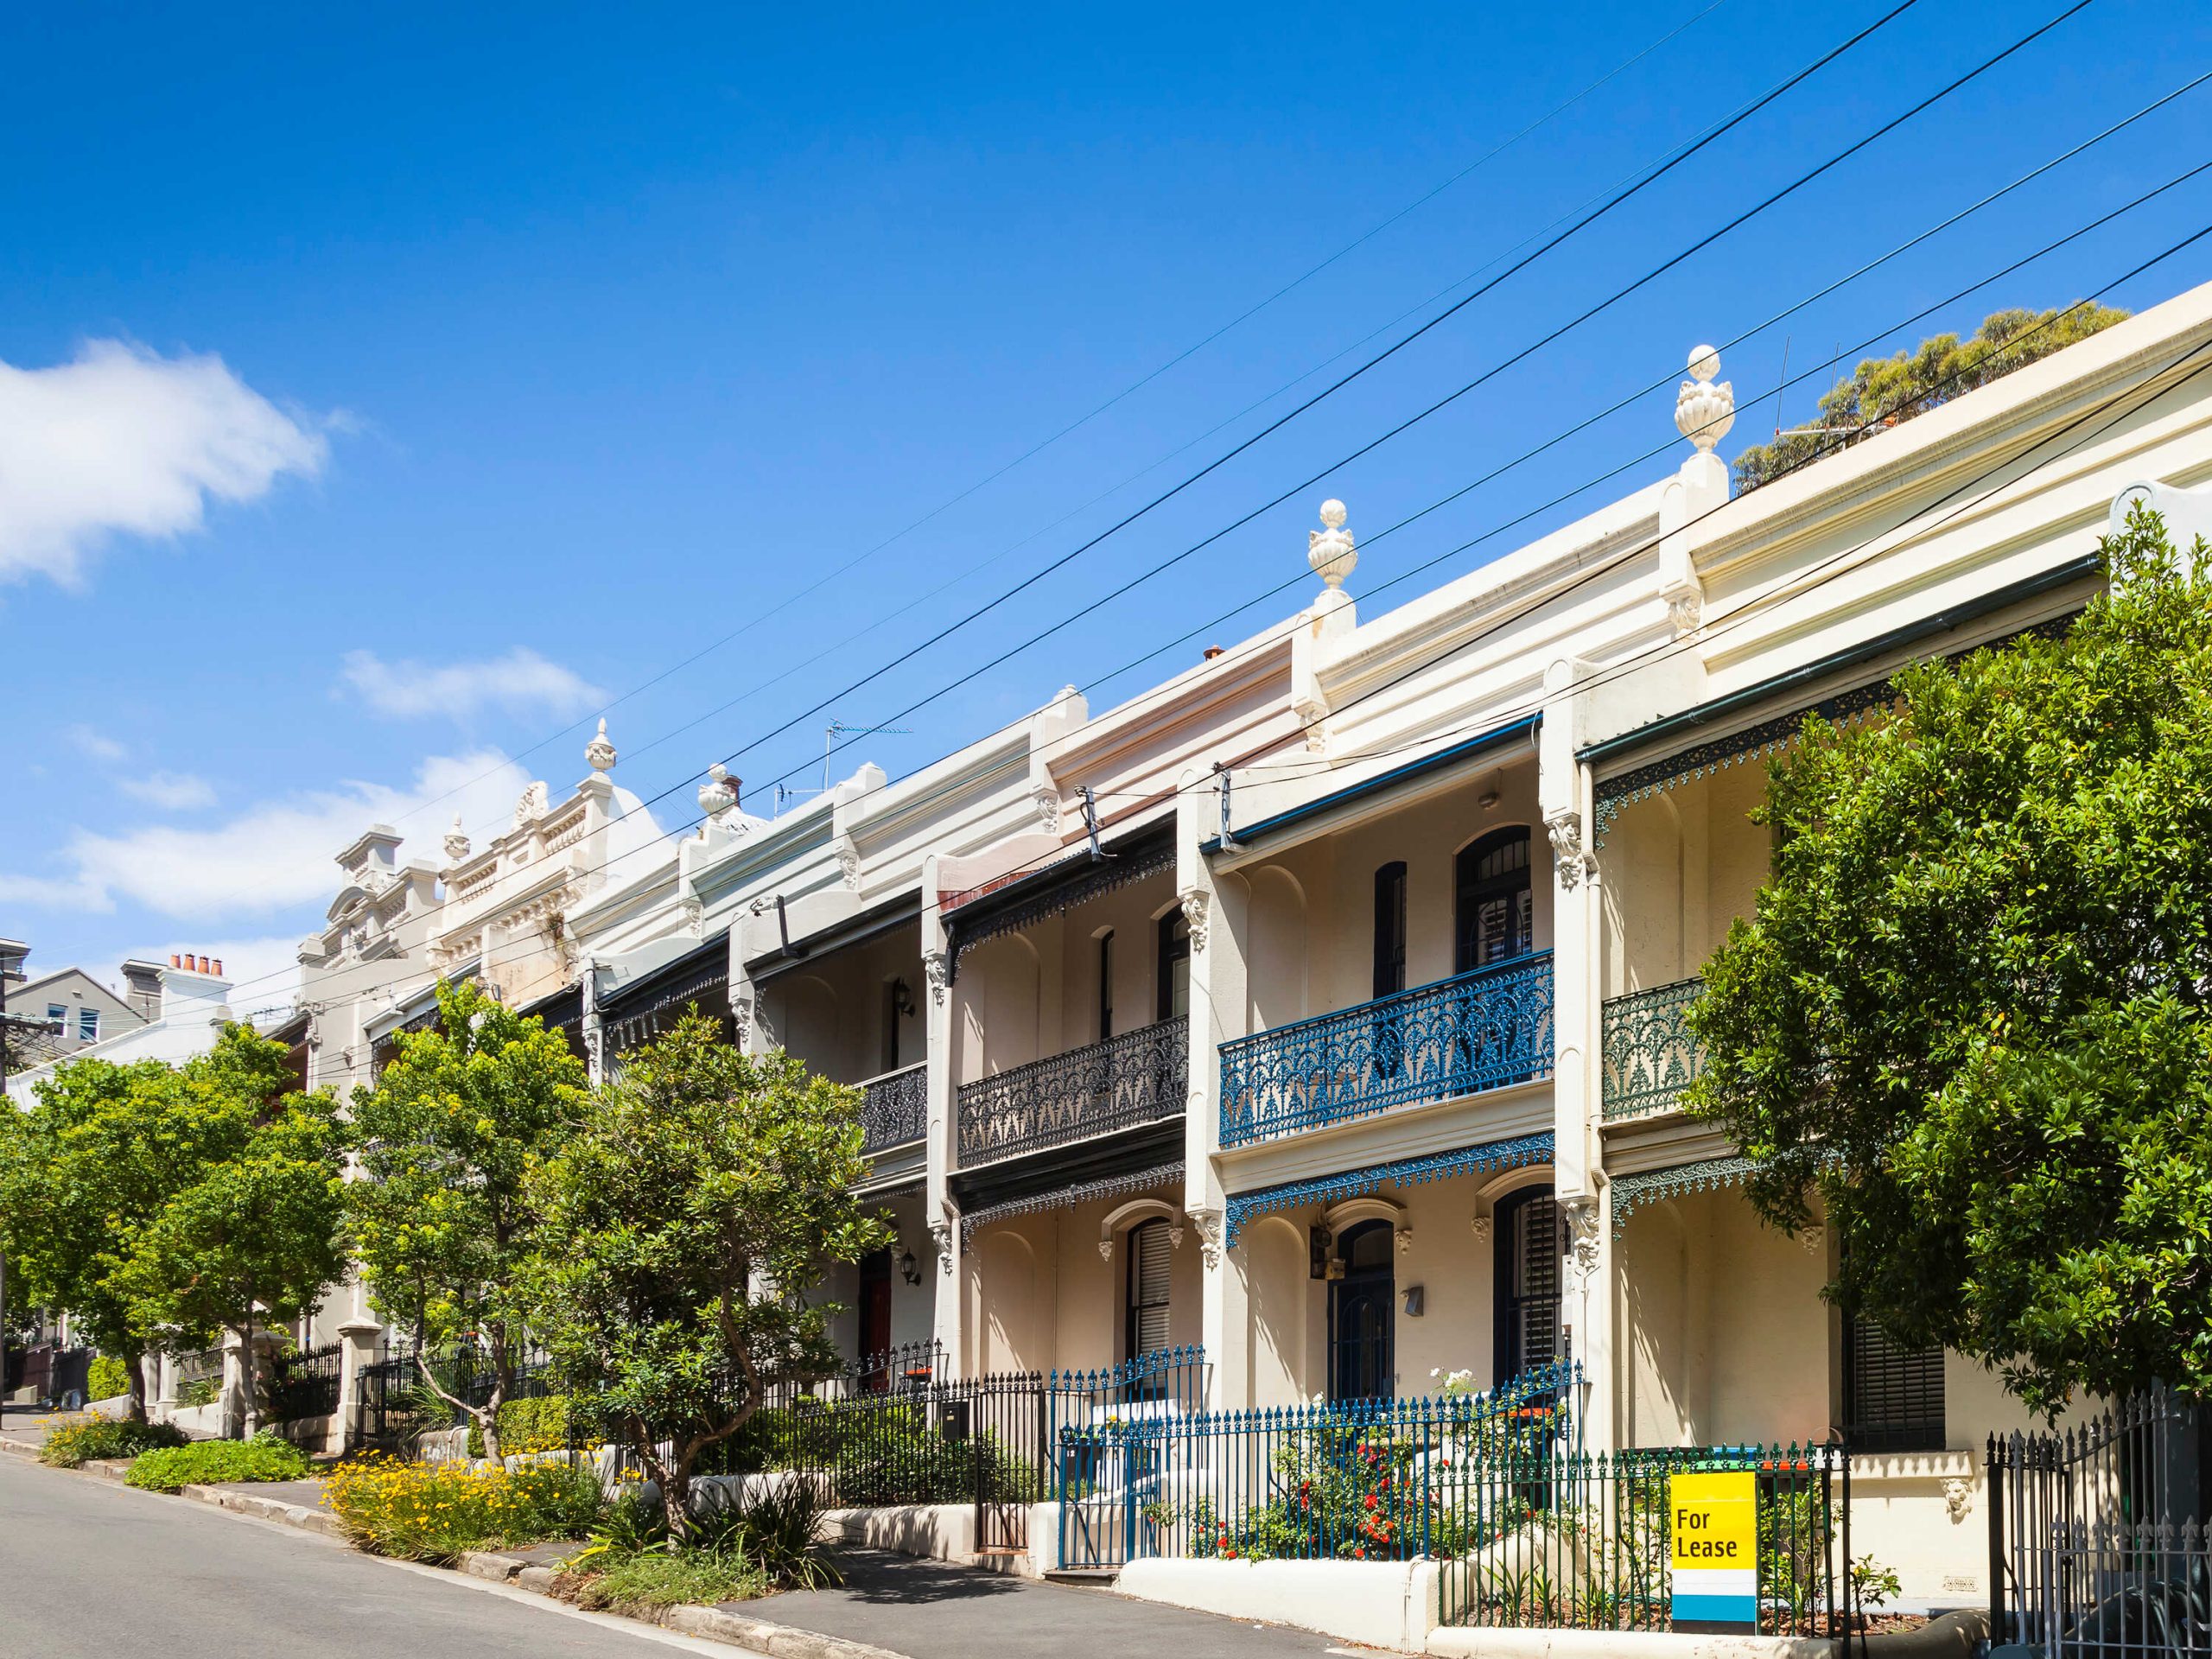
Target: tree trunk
[
  {"x": 488, "y": 1418},
  {"x": 134, "y": 1363}
]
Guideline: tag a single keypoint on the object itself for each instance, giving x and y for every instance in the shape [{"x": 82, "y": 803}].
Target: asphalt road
[{"x": 90, "y": 1569}]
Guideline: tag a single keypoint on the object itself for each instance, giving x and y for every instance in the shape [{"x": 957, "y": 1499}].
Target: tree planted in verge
[
  {"x": 702, "y": 1197},
  {"x": 254, "y": 1241},
  {"x": 1973, "y": 1011},
  {"x": 441, "y": 1222},
  {"x": 92, "y": 1165}
]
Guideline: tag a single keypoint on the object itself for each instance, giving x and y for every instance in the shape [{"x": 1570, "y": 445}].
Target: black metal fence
[
  {"x": 2098, "y": 1540},
  {"x": 394, "y": 1403},
  {"x": 305, "y": 1384},
  {"x": 1567, "y": 1540}
]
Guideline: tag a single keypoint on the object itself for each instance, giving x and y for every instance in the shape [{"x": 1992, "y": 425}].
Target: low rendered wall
[
  {"x": 316, "y": 1436},
  {"x": 1488, "y": 1642},
  {"x": 1380, "y": 1604},
  {"x": 937, "y": 1532}
]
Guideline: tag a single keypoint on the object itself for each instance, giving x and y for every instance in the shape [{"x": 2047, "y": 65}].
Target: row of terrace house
[{"x": 1323, "y": 1008}]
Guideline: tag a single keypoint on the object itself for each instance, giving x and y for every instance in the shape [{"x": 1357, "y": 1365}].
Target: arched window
[
  {"x": 1492, "y": 917},
  {"x": 1174, "y": 974},
  {"x": 1145, "y": 1329},
  {"x": 1390, "y": 928}
]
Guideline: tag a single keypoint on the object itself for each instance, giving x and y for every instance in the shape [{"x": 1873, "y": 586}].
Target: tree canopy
[
  {"x": 699, "y": 1201},
  {"x": 93, "y": 1165},
  {"x": 440, "y": 1223},
  {"x": 253, "y": 1240},
  {"x": 1885, "y": 391},
  {"x": 1970, "y": 1013}
]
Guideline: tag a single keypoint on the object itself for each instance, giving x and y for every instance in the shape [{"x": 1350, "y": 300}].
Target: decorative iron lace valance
[
  {"x": 1405, "y": 1171},
  {"x": 1075, "y": 880},
  {"x": 1632, "y": 1192},
  {"x": 1767, "y": 736},
  {"x": 1066, "y": 1197}
]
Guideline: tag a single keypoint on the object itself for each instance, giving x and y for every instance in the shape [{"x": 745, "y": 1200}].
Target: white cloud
[
  {"x": 275, "y": 853},
  {"x": 172, "y": 789},
  {"x": 520, "y": 682},
  {"x": 121, "y": 440},
  {"x": 98, "y": 745}
]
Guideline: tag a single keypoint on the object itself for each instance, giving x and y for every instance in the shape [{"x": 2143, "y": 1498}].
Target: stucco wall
[{"x": 1040, "y": 1296}]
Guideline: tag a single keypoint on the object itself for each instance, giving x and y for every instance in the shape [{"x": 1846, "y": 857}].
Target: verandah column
[
  {"x": 937, "y": 1206},
  {"x": 1215, "y": 909},
  {"x": 1563, "y": 792}
]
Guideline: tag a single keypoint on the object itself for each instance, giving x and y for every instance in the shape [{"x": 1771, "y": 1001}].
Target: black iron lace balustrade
[
  {"x": 894, "y": 1108},
  {"x": 1650, "y": 1054},
  {"x": 1137, "y": 1078},
  {"x": 1476, "y": 1031}
]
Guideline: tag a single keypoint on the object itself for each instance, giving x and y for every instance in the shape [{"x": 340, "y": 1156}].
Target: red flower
[
  {"x": 1229, "y": 1555},
  {"x": 1361, "y": 1552},
  {"x": 1371, "y": 1500}
]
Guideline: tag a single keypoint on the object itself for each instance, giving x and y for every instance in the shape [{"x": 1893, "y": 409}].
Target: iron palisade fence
[{"x": 2098, "y": 1540}]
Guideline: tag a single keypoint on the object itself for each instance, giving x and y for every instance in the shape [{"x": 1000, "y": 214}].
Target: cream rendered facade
[{"x": 1150, "y": 974}]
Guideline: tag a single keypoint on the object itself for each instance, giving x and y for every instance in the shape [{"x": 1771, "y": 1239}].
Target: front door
[
  {"x": 876, "y": 1320},
  {"x": 1362, "y": 1315}
]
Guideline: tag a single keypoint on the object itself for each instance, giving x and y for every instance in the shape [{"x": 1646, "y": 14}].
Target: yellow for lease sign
[{"x": 1713, "y": 1526}]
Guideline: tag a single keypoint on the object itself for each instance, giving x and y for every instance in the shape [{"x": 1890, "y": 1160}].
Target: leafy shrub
[
  {"x": 200, "y": 1391},
  {"x": 78, "y": 1440},
  {"x": 773, "y": 1528},
  {"x": 882, "y": 1452},
  {"x": 659, "y": 1577},
  {"x": 108, "y": 1379},
  {"x": 204, "y": 1462},
  {"x": 538, "y": 1424},
  {"x": 434, "y": 1512}
]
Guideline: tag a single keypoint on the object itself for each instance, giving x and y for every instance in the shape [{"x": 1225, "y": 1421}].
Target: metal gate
[{"x": 1109, "y": 1448}]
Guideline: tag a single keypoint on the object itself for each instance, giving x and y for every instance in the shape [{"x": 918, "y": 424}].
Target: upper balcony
[
  {"x": 895, "y": 1108},
  {"x": 1480, "y": 1030},
  {"x": 1650, "y": 1055},
  {"x": 1137, "y": 1078}
]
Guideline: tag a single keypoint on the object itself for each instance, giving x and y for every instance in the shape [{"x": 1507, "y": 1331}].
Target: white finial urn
[
  {"x": 456, "y": 842},
  {"x": 718, "y": 795},
  {"x": 599, "y": 753},
  {"x": 1705, "y": 409},
  {"x": 1330, "y": 551}
]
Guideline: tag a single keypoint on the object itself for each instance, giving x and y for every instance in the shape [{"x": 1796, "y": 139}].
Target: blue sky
[{"x": 385, "y": 394}]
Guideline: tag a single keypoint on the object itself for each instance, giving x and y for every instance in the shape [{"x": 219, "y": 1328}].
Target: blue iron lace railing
[
  {"x": 1476, "y": 1031},
  {"x": 894, "y": 1108},
  {"x": 1650, "y": 1054},
  {"x": 1137, "y": 1078}
]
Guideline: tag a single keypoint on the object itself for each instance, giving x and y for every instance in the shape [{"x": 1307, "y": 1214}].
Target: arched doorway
[
  {"x": 1363, "y": 1322},
  {"x": 1527, "y": 1332}
]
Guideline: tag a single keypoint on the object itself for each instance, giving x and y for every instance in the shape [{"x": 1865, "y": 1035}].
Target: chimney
[
  {"x": 219, "y": 967},
  {"x": 142, "y": 982},
  {"x": 175, "y": 961},
  {"x": 1212, "y": 651}
]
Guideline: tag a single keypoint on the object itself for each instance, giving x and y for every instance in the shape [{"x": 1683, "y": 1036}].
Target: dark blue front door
[{"x": 1363, "y": 1317}]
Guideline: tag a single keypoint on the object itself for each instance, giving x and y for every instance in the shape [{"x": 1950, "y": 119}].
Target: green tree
[
  {"x": 254, "y": 1241},
  {"x": 1971, "y": 1010},
  {"x": 1885, "y": 390},
  {"x": 92, "y": 1166},
  {"x": 441, "y": 1223},
  {"x": 702, "y": 1197}
]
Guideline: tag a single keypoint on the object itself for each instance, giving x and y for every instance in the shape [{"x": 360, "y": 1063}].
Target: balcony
[
  {"x": 1650, "y": 1054},
  {"x": 894, "y": 1108},
  {"x": 1476, "y": 1031},
  {"x": 1137, "y": 1078}
]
